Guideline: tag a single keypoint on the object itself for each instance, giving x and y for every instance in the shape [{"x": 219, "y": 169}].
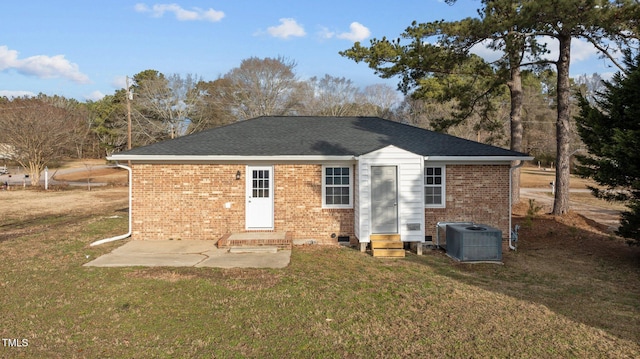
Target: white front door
[
  {"x": 259, "y": 214},
  {"x": 384, "y": 199}
]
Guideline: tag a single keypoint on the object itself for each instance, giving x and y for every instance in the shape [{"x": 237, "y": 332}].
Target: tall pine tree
[{"x": 610, "y": 128}]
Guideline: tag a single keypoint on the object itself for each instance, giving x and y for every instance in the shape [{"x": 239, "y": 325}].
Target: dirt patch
[
  {"x": 573, "y": 233},
  {"x": 105, "y": 175}
]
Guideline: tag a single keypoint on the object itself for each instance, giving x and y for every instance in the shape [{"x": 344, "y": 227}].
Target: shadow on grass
[{"x": 584, "y": 275}]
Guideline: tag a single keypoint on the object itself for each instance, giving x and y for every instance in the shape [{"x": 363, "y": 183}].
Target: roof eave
[{"x": 213, "y": 158}]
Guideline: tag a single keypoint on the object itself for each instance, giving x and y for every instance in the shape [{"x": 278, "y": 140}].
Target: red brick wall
[
  {"x": 298, "y": 205},
  {"x": 188, "y": 202},
  {"x": 172, "y": 201},
  {"x": 478, "y": 194}
]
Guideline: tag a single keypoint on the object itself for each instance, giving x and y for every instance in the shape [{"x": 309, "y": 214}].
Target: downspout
[
  {"x": 128, "y": 234},
  {"x": 512, "y": 234}
]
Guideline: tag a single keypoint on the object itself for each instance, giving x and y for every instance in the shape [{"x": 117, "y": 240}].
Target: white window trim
[
  {"x": 324, "y": 186},
  {"x": 443, "y": 186}
]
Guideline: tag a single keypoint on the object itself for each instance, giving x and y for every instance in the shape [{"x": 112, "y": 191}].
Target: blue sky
[{"x": 84, "y": 49}]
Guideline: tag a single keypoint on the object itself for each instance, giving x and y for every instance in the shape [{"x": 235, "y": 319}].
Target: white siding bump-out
[
  {"x": 356, "y": 201},
  {"x": 410, "y": 192}
]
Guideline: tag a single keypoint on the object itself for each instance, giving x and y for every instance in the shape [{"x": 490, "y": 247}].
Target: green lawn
[{"x": 330, "y": 302}]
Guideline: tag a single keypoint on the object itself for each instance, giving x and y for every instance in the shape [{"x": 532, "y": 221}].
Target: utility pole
[{"x": 129, "y": 98}]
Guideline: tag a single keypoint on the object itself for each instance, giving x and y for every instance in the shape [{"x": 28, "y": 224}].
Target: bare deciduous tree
[
  {"x": 380, "y": 99},
  {"x": 165, "y": 102},
  {"x": 79, "y": 122},
  {"x": 263, "y": 87},
  {"x": 422, "y": 112},
  {"x": 331, "y": 96},
  {"x": 38, "y": 133},
  {"x": 214, "y": 107}
]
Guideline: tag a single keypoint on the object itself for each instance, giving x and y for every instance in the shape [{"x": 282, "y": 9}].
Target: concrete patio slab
[
  {"x": 279, "y": 259},
  {"x": 191, "y": 253},
  {"x": 168, "y": 246},
  {"x": 257, "y": 249},
  {"x": 146, "y": 260}
]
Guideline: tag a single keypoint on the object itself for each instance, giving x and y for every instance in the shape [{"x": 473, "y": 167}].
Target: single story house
[{"x": 316, "y": 178}]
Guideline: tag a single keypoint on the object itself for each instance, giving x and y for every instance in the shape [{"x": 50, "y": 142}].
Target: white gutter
[
  {"x": 128, "y": 234},
  {"x": 476, "y": 158},
  {"x": 511, "y": 169},
  {"x": 471, "y": 159}
]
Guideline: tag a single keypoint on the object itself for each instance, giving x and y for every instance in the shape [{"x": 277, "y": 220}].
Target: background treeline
[{"x": 162, "y": 106}]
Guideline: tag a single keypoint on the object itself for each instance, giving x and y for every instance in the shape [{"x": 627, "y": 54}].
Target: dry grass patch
[
  {"x": 21, "y": 205},
  {"x": 589, "y": 199},
  {"x": 330, "y": 302},
  {"x": 164, "y": 274},
  {"x": 232, "y": 279},
  {"x": 533, "y": 177}
]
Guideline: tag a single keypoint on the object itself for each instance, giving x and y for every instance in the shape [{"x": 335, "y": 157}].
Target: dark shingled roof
[{"x": 316, "y": 136}]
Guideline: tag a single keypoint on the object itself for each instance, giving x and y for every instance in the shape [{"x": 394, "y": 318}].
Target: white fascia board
[
  {"x": 475, "y": 159},
  {"x": 174, "y": 158}
]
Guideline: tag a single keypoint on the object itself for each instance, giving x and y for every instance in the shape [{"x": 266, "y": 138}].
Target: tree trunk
[
  {"x": 515, "y": 116},
  {"x": 563, "y": 135},
  {"x": 35, "y": 171}
]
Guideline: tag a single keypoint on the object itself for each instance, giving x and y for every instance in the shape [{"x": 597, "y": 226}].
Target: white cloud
[
  {"x": 325, "y": 33},
  {"x": 581, "y": 50},
  {"x": 196, "y": 14},
  {"x": 288, "y": 27},
  {"x": 607, "y": 76},
  {"x": 50, "y": 67},
  {"x": 358, "y": 32},
  {"x": 41, "y": 66},
  {"x": 8, "y": 58},
  {"x": 94, "y": 96},
  {"x": 141, "y": 7},
  {"x": 482, "y": 49},
  {"x": 13, "y": 94},
  {"x": 120, "y": 82}
]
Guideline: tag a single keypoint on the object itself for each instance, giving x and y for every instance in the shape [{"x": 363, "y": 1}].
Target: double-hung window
[
  {"x": 337, "y": 188},
  {"x": 434, "y": 186}
]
